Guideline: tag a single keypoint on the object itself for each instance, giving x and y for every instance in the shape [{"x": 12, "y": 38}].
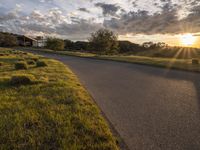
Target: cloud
[
  {"x": 53, "y": 22},
  {"x": 108, "y": 9},
  {"x": 8, "y": 16},
  {"x": 84, "y": 10},
  {"x": 81, "y": 29},
  {"x": 165, "y": 22},
  {"x": 117, "y": 17}
]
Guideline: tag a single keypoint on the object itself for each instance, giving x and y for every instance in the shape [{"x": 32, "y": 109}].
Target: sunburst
[{"x": 187, "y": 39}]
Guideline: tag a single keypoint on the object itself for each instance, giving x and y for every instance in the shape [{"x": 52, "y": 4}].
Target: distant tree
[
  {"x": 161, "y": 45},
  {"x": 104, "y": 42},
  {"x": 55, "y": 44},
  {"x": 7, "y": 40},
  {"x": 128, "y": 47},
  {"x": 148, "y": 44},
  {"x": 69, "y": 45},
  {"x": 81, "y": 45},
  {"x": 151, "y": 45}
]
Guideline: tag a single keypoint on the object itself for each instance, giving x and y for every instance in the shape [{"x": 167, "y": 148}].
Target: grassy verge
[
  {"x": 169, "y": 63},
  {"x": 51, "y": 111}
]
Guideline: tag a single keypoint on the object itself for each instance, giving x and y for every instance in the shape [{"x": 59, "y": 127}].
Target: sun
[{"x": 187, "y": 39}]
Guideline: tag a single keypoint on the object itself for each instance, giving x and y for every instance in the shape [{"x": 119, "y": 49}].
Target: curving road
[{"x": 151, "y": 108}]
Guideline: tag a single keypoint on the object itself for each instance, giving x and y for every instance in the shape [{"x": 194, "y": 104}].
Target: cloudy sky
[{"x": 134, "y": 20}]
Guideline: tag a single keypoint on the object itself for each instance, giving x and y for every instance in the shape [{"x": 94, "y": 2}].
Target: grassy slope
[
  {"x": 56, "y": 113},
  {"x": 164, "y": 60}
]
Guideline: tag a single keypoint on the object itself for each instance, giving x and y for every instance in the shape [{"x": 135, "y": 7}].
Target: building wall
[
  {"x": 35, "y": 44},
  {"x": 40, "y": 43}
]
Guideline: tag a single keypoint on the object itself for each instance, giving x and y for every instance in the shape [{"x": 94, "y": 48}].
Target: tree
[
  {"x": 69, "y": 45},
  {"x": 148, "y": 44},
  {"x": 129, "y": 47},
  {"x": 55, "y": 44},
  {"x": 151, "y": 45},
  {"x": 7, "y": 40},
  {"x": 81, "y": 45},
  {"x": 104, "y": 42}
]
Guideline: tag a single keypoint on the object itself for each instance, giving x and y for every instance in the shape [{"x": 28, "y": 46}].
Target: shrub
[
  {"x": 55, "y": 44},
  {"x": 31, "y": 62},
  {"x": 104, "y": 41},
  {"x": 21, "y": 65},
  {"x": 195, "y": 61},
  {"x": 22, "y": 79},
  {"x": 41, "y": 64},
  {"x": 7, "y": 40}
]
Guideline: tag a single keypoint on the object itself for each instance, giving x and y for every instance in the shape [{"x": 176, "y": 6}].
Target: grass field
[
  {"x": 182, "y": 60},
  {"x": 53, "y": 111}
]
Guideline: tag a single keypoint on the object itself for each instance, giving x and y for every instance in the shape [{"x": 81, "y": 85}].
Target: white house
[{"x": 40, "y": 41}]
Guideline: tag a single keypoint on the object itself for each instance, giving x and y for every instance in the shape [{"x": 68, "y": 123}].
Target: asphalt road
[{"x": 151, "y": 108}]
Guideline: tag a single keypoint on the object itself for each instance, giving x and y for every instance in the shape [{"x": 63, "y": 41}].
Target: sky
[{"x": 134, "y": 20}]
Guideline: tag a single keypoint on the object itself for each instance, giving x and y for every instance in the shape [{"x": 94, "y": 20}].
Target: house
[
  {"x": 25, "y": 40},
  {"x": 38, "y": 41}
]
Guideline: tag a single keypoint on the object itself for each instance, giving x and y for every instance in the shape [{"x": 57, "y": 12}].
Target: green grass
[
  {"x": 178, "y": 53},
  {"x": 54, "y": 112},
  {"x": 164, "y": 60}
]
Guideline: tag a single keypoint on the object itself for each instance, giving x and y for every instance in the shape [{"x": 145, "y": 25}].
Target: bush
[
  {"x": 195, "y": 61},
  {"x": 22, "y": 79},
  {"x": 55, "y": 44},
  {"x": 41, "y": 64},
  {"x": 104, "y": 42},
  {"x": 7, "y": 40},
  {"x": 31, "y": 62},
  {"x": 21, "y": 65}
]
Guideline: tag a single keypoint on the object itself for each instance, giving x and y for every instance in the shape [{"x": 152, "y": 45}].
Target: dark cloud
[
  {"x": 8, "y": 16},
  {"x": 84, "y": 10},
  {"x": 108, "y": 9},
  {"x": 164, "y": 22},
  {"x": 81, "y": 28}
]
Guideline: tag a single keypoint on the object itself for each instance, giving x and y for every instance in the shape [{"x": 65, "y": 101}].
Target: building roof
[{"x": 30, "y": 38}]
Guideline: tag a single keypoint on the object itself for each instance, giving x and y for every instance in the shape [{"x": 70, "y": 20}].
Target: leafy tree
[
  {"x": 55, "y": 44},
  {"x": 69, "y": 45},
  {"x": 7, "y": 40},
  {"x": 151, "y": 45},
  {"x": 148, "y": 45},
  {"x": 104, "y": 42}
]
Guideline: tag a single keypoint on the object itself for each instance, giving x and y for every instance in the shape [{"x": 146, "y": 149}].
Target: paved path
[{"x": 151, "y": 108}]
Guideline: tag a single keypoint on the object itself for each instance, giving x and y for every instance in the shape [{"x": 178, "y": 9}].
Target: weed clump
[
  {"x": 22, "y": 79},
  {"x": 41, "y": 63},
  {"x": 31, "y": 62},
  {"x": 21, "y": 65},
  {"x": 195, "y": 61},
  {"x": 35, "y": 59}
]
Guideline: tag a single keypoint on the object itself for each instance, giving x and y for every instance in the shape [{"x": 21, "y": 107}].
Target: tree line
[{"x": 102, "y": 41}]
